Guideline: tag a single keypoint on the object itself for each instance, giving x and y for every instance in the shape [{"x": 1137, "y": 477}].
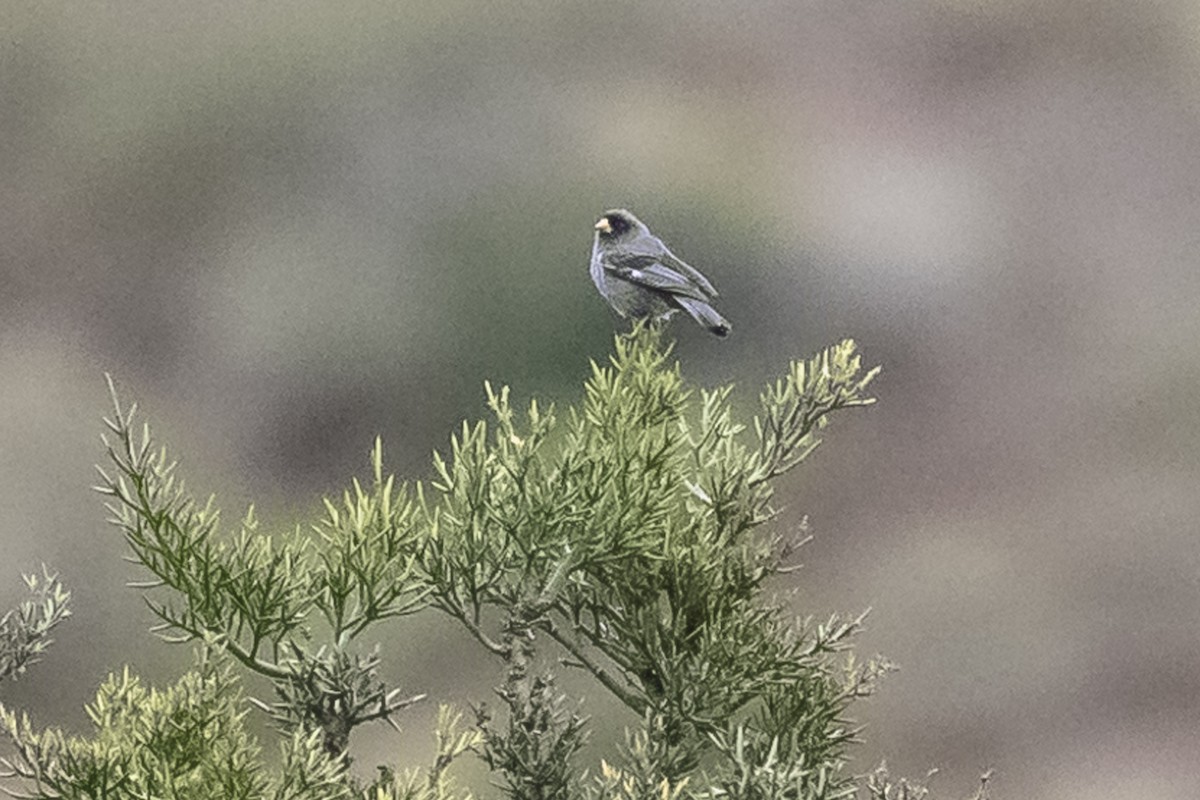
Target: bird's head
[{"x": 617, "y": 224}]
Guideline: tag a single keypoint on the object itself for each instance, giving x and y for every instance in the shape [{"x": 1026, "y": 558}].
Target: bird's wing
[
  {"x": 679, "y": 265},
  {"x": 652, "y": 247},
  {"x": 649, "y": 271}
]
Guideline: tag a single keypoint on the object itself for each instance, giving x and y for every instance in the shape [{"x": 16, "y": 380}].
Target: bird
[{"x": 639, "y": 277}]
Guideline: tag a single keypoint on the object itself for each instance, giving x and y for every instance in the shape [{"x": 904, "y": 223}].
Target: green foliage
[
  {"x": 533, "y": 750},
  {"x": 25, "y": 630},
  {"x": 634, "y": 540},
  {"x": 258, "y": 595},
  {"x": 189, "y": 742},
  {"x": 630, "y": 537}
]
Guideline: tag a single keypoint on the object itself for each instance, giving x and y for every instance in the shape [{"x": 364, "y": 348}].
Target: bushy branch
[
  {"x": 248, "y": 590},
  {"x": 187, "y": 741},
  {"x": 367, "y": 554},
  {"x": 333, "y": 691},
  {"x": 534, "y": 749},
  {"x": 629, "y": 537},
  {"x": 633, "y": 538},
  {"x": 25, "y": 630},
  {"x": 255, "y": 595}
]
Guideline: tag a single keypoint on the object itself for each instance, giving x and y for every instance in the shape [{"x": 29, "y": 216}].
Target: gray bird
[{"x": 640, "y": 277}]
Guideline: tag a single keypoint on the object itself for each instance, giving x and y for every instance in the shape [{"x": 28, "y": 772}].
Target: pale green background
[{"x": 286, "y": 227}]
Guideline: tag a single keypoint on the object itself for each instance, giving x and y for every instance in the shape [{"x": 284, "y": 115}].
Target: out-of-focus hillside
[{"x": 286, "y": 228}]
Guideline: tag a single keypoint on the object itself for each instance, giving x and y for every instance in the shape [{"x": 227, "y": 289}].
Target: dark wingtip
[{"x": 720, "y": 330}]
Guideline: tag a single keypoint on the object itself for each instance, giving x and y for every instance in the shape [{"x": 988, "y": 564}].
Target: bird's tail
[{"x": 704, "y": 314}]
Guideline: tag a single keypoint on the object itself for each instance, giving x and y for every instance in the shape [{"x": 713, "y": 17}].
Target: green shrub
[{"x": 632, "y": 537}]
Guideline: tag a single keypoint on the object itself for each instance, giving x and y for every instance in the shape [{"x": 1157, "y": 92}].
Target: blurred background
[{"x": 286, "y": 228}]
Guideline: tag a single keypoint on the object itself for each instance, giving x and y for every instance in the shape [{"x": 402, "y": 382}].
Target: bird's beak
[{"x": 603, "y": 225}]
